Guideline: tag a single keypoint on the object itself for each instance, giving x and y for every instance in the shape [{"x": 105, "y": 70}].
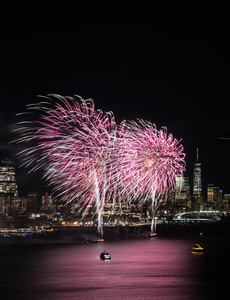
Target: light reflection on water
[{"x": 157, "y": 268}]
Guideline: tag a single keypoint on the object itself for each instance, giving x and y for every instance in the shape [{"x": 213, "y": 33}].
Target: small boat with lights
[
  {"x": 105, "y": 256},
  {"x": 197, "y": 248},
  {"x": 148, "y": 236}
]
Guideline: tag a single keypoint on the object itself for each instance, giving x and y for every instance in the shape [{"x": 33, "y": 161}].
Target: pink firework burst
[
  {"x": 73, "y": 143},
  {"x": 149, "y": 161},
  {"x": 88, "y": 161}
]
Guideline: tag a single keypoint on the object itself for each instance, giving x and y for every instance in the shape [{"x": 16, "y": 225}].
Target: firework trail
[
  {"x": 72, "y": 142},
  {"x": 149, "y": 161}
]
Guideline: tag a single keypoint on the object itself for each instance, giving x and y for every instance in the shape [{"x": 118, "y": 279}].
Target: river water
[{"x": 156, "y": 268}]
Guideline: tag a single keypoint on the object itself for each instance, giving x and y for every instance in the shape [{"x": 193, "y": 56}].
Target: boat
[
  {"x": 197, "y": 248},
  {"x": 88, "y": 241},
  {"x": 105, "y": 256},
  {"x": 148, "y": 236},
  {"x": 100, "y": 240}
]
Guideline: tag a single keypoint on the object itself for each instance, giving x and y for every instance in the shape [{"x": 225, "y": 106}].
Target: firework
[
  {"x": 88, "y": 161},
  {"x": 72, "y": 142},
  {"x": 149, "y": 161}
]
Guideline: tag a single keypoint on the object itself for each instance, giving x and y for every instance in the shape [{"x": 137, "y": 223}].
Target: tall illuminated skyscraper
[
  {"x": 9, "y": 199},
  {"x": 197, "y": 183}
]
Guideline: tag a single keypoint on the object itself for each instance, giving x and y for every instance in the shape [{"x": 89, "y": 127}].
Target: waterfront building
[
  {"x": 9, "y": 198},
  {"x": 198, "y": 216},
  {"x": 123, "y": 213},
  {"x": 197, "y": 184}
]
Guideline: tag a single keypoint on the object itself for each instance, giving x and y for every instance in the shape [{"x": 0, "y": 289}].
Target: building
[
  {"x": 183, "y": 198},
  {"x": 122, "y": 214},
  {"x": 33, "y": 203},
  {"x": 9, "y": 198},
  {"x": 226, "y": 203},
  {"x": 179, "y": 199},
  {"x": 2, "y": 220},
  {"x": 175, "y": 200},
  {"x": 197, "y": 185},
  {"x": 47, "y": 203},
  {"x": 214, "y": 197},
  {"x": 23, "y": 204}
]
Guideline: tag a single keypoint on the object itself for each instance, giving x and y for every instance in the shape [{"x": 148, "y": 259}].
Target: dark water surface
[{"x": 157, "y": 268}]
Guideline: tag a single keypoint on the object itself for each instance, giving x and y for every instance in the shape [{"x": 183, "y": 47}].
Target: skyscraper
[
  {"x": 9, "y": 199},
  {"x": 214, "y": 196},
  {"x": 197, "y": 183},
  {"x": 183, "y": 198}
]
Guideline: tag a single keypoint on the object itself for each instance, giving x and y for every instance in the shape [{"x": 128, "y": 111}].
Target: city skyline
[
  {"x": 191, "y": 192},
  {"x": 35, "y": 179},
  {"x": 183, "y": 201}
]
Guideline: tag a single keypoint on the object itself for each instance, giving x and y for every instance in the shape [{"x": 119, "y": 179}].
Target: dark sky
[{"x": 171, "y": 68}]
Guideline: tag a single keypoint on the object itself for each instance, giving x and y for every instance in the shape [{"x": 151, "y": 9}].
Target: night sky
[{"x": 169, "y": 68}]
